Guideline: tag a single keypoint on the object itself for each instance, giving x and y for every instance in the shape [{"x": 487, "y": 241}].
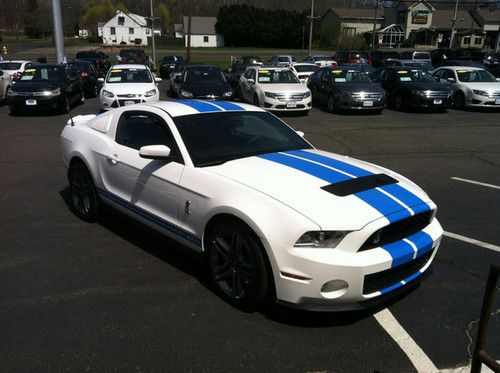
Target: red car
[{"x": 345, "y": 57}]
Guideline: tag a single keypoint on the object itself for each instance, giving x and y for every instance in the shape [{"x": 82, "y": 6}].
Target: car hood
[
  {"x": 296, "y": 179},
  {"x": 483, "y": 86},
  {"x": 26, "y": 86},
  {"x": 206, "y": 88},
  {"x": 283, "y": 88},
  {"x": 129, "y": 88},
  {"x": 431, "y": 86},
  {"x": 360, "y": 87}
]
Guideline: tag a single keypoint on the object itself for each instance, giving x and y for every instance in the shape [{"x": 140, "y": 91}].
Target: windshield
[
  {"x": 204, "y": 75},
  {"x": 132, "y": 53},
  {"x": 357, "y": 55},
  {"x": 349, "y": 76},
  {"x": 306, "y": 68},
  {"x": 421, "y": 56},
  {"x": 10, "y": 66},
  {"x": 277, "y": 76},
  {"x": 88, "y": 55},
  {"x": 321, "y": 58},
  {"x": 80, "y": 66},
  {"x": 475, "y": 76},
  {"x": 414, "y": 75},
  {"x": 129, "y": 76},
  {"x": 43, "y": 74},
  {"x": 219, "y": 137}
]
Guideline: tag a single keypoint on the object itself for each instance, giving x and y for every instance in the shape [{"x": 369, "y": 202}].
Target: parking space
[{"x": 116, "y": 295}]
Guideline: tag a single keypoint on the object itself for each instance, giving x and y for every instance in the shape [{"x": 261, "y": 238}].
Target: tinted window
[
  {"x": 475, "y": 76},
  {"x": 306, "y": 68},
  {"x": 421, "y": 56},
  {"x": 204, "y": 74},
  {"x": 129, "y": 76},
  {"x": 413, "y": 75},
  {"x": 277, "y": 76},
  {"x": 219, "y": 137},
  {"x": 138, "y": 129},
  {"x": 10, "y": 66},
  {"x": 43, "y": 74},
  {"x": 348, "y": 76}
]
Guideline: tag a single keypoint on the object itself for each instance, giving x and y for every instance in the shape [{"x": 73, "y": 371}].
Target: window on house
[
  {"x": 205, "y": 39},
  {"x": 478, "y": 40},
  {"x": 349, "y": 30},
  {"x": 466, "y": 40},
  {"x": 131, "y": 30},
  {"x": 148, "y": 31},
  {"x": 113, "y": 31},
  {"x": 121, "y": 20}
]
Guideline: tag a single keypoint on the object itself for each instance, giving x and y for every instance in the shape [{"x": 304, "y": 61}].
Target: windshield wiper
[{"x": 213, "y": 163}]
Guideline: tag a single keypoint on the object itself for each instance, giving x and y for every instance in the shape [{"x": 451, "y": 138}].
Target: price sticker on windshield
[
  {"x": 29, "y": 70},
  {"x": 264, "y": 71},
  {"x": 116, "y": 71},
  {"x": 336, "y": 71},
  {"x": 403, "y": 72}
]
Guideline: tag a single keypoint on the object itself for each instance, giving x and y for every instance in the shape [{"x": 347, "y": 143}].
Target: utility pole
[
  {"x": 311, "y": 19},
  {"x": 188, "y": 51},
  {"x": 375, "y": 24},
  {"x": 453, "y": 20},
  {"x": 58, "y": 31},
  {"x": 153, "y": 34}
]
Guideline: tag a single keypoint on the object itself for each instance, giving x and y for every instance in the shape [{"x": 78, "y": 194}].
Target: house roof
[
  {"x": 139, "y": 20},
  {"x": 487, "y": 15},
  {"x": 200, "y": 25},
  {"x": 421, "y": 1},
  {"x": 441, "y": 19},
  {"x": 356, "y": 13}
]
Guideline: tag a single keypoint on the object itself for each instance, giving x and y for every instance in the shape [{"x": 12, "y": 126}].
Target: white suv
[{"x": 275, "y": 89}]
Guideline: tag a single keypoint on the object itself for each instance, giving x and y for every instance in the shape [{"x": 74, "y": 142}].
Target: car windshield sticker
[
  {"x": 405, "y": 78},
  {"x": 463, "y": 71},
  {"x": 403, "y": 72},
  {"x": 340, "y": 80},
  {"x": 30, "y": 70},
  {"x": 116, "y": 71},
  {"x": 336, "y": 71},
  {"x": 114, "y": 79}
]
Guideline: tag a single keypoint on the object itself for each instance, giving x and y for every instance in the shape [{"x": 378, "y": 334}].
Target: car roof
[
  {"x": 303, "y": 64},
  {"x": 462, "y": 68},
  {"x": 129, "y": 66},
  {"x": 177, "y": 108},
  {"x": 15, "y": 61}
]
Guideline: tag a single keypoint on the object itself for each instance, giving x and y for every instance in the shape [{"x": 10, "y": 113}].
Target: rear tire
[
  {"x": 236, "y": 264},
  {"x": 330, "y": 103},
  {"x": 256, "y": 101},
  {"x": 84, "y": 199},
  {"x": 65, "y": 107},
  {"x": 398, "y": 102}
]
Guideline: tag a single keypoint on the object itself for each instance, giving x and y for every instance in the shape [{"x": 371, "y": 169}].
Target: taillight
[
  {"x": 84, "y": 74},
  {"x": 334, "y": 63},
  {"x": 16, "y": 75},
  {"x": 318, "y": 64}
]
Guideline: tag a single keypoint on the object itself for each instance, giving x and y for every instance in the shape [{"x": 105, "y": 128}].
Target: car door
[
  {"x": 246, "y": 87},
  {"x": 147, "y": 187},
  {"x": 314, "y": 82}
]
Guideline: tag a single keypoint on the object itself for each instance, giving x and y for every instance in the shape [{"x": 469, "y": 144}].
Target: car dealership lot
[{"x": 118, "y": 296}]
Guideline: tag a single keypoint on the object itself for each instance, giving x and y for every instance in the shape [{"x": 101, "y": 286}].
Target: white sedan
[
  {"x": 303, "y": 71},
  {"x": 14, "y": 68},
  {"x": 5, "y": 82},
  {"x": 275, "y": 89},
  {"x": 126, "y": 85},
  {"x": 321, "y": 61},
  {"x": 472, "y": 86},
  {"x": 275, "y": 217}
]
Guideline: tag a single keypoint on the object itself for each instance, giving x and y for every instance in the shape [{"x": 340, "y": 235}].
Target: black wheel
[
  {"x": 65, "y": 108},
  {"x": 330, "y": 103},
  {"x": 398, "y": 102},
  {"x": 84, "y": 200},
  {"x": 459, "y": 101},
  {"x": 236, "y": 264},
  {"x": 256, "y": 100},
  {"x": 13, "y": 110}
]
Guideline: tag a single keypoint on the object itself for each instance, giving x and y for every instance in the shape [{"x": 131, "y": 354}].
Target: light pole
[
  {"x": 375, "y": 24},
  {"x": 453, "y": 20},
  {"x": 58, "y": 31},
  {"x": 153, "y": 34},
  {"x": 311, "y": 19}
]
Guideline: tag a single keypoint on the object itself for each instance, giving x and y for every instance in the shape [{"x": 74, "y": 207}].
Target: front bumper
[
  {"x": 474, "y": 100},
  {"x": 417, "y": 101},
  {"x": 306, "y": 277},
  {"x": 273, "y": 104},
  {"x": 362, "y": 104},
  {"x": 32, "y": 102},
  {"x": 108, "y": 103}
]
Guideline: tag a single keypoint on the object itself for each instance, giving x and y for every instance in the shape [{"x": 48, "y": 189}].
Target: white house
[
  {"x": 202, "y": 32},
  {"x": 125, "y": 29}
]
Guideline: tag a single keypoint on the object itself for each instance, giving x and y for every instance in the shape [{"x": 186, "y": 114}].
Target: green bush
[
  {"x": 408, "y": 43},
  {"x": 94, "y": 39}
]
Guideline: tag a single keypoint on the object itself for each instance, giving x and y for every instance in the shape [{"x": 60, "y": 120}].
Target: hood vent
[{"x": 353, "y": 186}]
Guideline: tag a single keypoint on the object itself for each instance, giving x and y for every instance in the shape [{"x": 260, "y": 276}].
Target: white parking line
[
  {"x": 473, "y": 241},
  {"x": 475, "y": 182},
  {"x": 417, "y": 356}
]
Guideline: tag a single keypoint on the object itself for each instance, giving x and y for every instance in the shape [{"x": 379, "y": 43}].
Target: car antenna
[{"x": 71, "y": 119}]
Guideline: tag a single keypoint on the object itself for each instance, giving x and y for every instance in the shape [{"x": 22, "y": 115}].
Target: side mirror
[
  {"x": 450, "y": 80},
  {"x": 251, "y": 81},
  {"x": 177, "y": 79},
  {"x": 100, "y": 80},
  {"x": 158, "y": 80},
  {"x": 300, "y": 133},
  {"x": 154, "y": 152},
  {"x": 437, "y": 79},
  {"x": 498, "y": 79}
]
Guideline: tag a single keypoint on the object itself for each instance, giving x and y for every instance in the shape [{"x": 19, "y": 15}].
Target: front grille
[
  {"x": 398, "y": 230},
  {"x": 130, "y": 95},
  {"x": 292, "y": 97},
  {"x": 366, "y": 96},
  {"x": 382, "y": 280},
  {"x": 436, "y": 94},
  {"x": 300, "y": 106},
  {"x": 122, "y": 102}
]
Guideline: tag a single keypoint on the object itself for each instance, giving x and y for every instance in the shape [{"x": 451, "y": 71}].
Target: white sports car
[
  {"x": 274, "y": 216},
  {"x": 126, "y": 85}
]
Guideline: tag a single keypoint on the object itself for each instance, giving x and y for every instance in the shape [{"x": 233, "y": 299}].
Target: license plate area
[
  {"x": 128, "y": 102},
  {"x": 291, "y": 105},
  {"x": 31, "y": 102},
  {"x": 497, "y": 101},
  {"x": 367, "y": 103},
  {"x": 438, "y": 101}
]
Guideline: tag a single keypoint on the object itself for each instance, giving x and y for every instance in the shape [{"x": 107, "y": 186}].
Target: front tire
[
  {"x": 398, "y": 102},
  {"x": 84, "y": 199},
  {"x": 65, "y": 107},
  {"x": 330, "y": 103},
  {"x": 236, "y": 264},
  {"x": 459, "y": 101},
  {"x": 256, "y": 101}
]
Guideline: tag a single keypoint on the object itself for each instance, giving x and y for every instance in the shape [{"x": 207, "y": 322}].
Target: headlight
[
  {"x": 321, "y": 239},
  {"x": 227, "y": 94},
  {"x": 10, "y": 92},
  {"x": 186, "y": 94},
  {"x": 150, "y": 93},
  {"x": 55, "y": 92},
  {"x": 270, "y": 95},
  {"x": 107, "y": 93},
  {"x": 307, "y": 94},
  {"x": 480, "y": 93},
  {"x": 418, "y": 93}
]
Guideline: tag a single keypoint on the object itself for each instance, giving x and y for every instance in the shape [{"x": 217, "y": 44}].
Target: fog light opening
[{"x": 334, "y": 289}]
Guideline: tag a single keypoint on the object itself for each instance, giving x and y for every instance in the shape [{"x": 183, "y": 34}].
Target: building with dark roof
[{"x": 202, "y": 32}]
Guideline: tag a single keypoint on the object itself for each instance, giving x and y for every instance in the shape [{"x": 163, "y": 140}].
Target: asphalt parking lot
[{"x": 117, "y": 296}]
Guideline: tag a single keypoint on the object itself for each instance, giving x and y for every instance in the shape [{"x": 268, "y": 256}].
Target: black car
[
  {"x": 205, "y": 82},
  {"x": 250, "y": 60},
  {"x": 495, "y": 72},
  {"x": 98, "y": 59},
  {"x": 412, "y": 87},
  {"x": 46, "y": 87},
  {"x": 134, "y": 56},
  {"x": 168, "y": 64},
  {"x": 346, "y": 88},
  {"x": 89, "y": 77},
  {"x": 380, "y": 57}
]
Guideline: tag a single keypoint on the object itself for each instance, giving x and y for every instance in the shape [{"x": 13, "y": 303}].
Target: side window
[
  {"x": 449, "y": 74},
  {"x": 247, "y": 74},
  {"x": 439, "y": 74},
  {"x": 138, "y": 129},
  {"x": 253, "y": 74}
]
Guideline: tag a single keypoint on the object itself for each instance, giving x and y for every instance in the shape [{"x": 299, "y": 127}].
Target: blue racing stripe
[
  {"x": 201, "y": 106},
  {"x": 400, "y": 251},
  {"x": 422, "y": 241},
  {"x": 412, "y": 277},
  {"x": 396, "y": 190},
  {"x": 228, "y": 106},
  {"x": 376, "y": 199},
  {"x": 390, "y": 288}
]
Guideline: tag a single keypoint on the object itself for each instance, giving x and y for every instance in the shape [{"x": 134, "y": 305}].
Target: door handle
[{"x": 113, "y": 159}]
